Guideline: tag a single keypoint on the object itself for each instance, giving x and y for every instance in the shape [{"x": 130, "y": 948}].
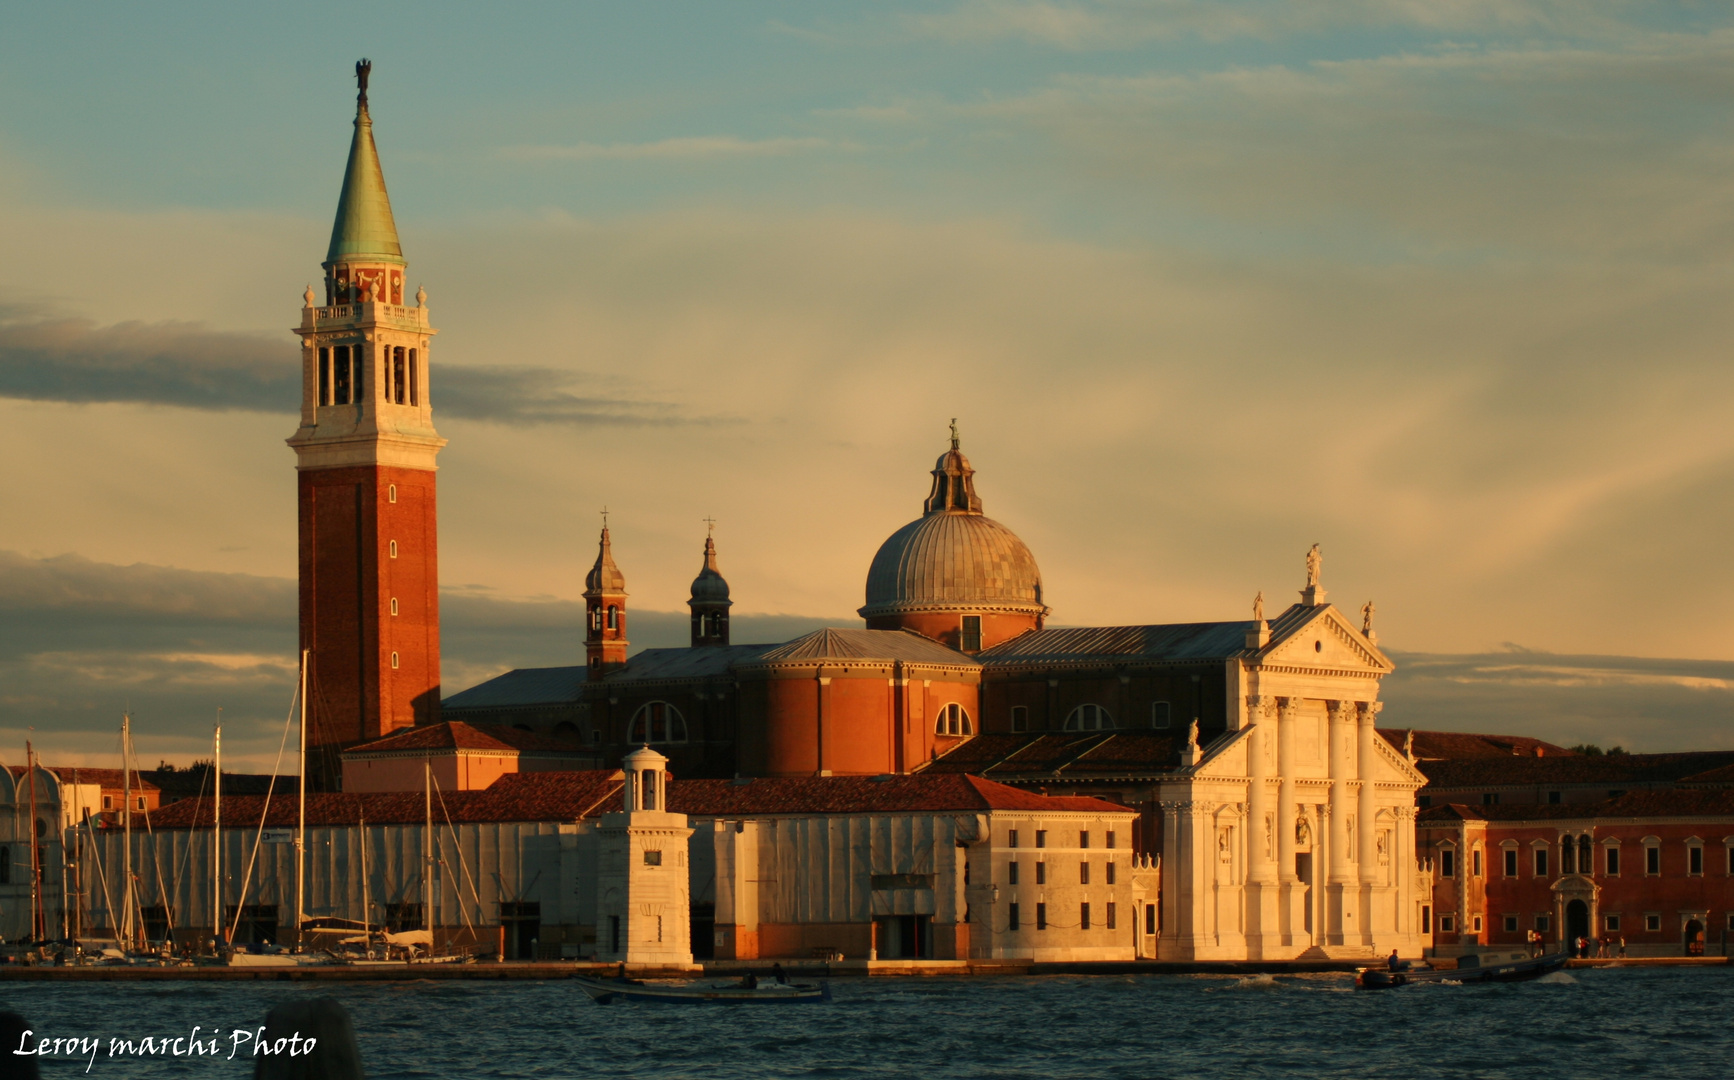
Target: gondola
[
  {"x": 1471, "y": 968},
  {"x": 608, "y": 991}
]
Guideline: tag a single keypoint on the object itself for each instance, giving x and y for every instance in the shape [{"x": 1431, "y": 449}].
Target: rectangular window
[
  {"x": 414, "y": 397},
  {"x": 1110, "y": 869},
  {"x": 1150, "y": 918},
  {"x": 1731, "y": 861},
  {"x": 1041, "y": 838},
  {"x": 1540, "y": 862},
  {"x": 1553, "y": 798},
  {"x": 1447, "y": 924},
  {"x": 1543, "y": 923},
  {"x": 141, "y": 801},
  {"x": 1652, "y": 861},
  {"x": 322, "y": 395},
  {"x": 1694, "y": 860},
  {"x": 1041, "y": 873},
  {"x": 1110, "y": 844},
  {"x": 1113, "y": 923},
  {"x": 1447, "y": 863},
  {"x": 1653, "y": 923},
  {"x": 1084, "y": 839},
  {"x": 1011, "y": 922},
  {"x": 1510, "y": 862},
  {"x": 1511, "y": 924},
  {"x": 1083, "y": 873},
  {"x": 108, "y": 802},
  {"x": 971, "y": 633},
  {"x": 1011, "y": 838},
  {"x": 1612, "y": 923},
  {"x": 1426, "y": 918},
  {"x": 652, "y": 858},
  {"x": 340, "y": 381},
  {"x": 1084, "y": 916},
  {"x": 1161, "y": 714},
  {"x": 1490, "y": 798},
  {"x": 1613, "y": 862},
  {"x": 1475, "y": 862},
  {"x": 1020, "y": 718},
  {"x": 1011, "y": 872},
  {"x": 1041, "y": 916},
  {"x": 1423, "y": 801}
]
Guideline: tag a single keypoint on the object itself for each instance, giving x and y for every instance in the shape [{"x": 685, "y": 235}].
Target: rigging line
[
  {"x": 157, "y": 864},
  {"x": 462, "y": 863},
  {"x": 187, "y": 852},
  {"x": 270, "y": 789},
  {"x": 96, "y": 853}
]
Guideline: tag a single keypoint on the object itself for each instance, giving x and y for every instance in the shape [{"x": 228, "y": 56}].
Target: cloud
[
  {"x": 690, "y": 148},
  {"x": 188, "y": 365},
  {"x": 1127, "y": 24},
  {"x": 1645, "y": 704}
]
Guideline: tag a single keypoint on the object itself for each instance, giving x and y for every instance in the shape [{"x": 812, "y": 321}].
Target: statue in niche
[
  {"x": 1314, "y": 561},
  {"x": 1222, "y": 846},
  {"x": 1258, "y": 607},
  {"x": 1384, "y": 847},
  {"x": 1303, "y": 833},
  {"x": 1270, "y": 836}
]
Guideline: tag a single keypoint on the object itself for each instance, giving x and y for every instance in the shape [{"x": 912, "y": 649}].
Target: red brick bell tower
[{"x": 365, "y": 456}]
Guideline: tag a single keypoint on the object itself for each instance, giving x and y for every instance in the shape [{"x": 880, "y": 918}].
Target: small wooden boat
[
  {"x": 733, "y": 992},
  {"x": 1471, "y": 968}
]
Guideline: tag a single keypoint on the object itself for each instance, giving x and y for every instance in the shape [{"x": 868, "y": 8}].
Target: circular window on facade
[
  {"x": 656, "y": 722},
  {"x": 1089, "y": 718}
]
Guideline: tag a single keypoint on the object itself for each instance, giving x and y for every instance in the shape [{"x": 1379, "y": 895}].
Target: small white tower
[{"x": 643, "y": 910}]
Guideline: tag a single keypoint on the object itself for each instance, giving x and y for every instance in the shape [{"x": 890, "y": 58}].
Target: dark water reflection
[{"x": 1593, "y": 1023}]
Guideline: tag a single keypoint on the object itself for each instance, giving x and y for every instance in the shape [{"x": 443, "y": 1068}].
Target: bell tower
[
  {"x": 605, "y": 641},
  {"x": 365, "y": 462},
  {"x": 710, "y": 601}
]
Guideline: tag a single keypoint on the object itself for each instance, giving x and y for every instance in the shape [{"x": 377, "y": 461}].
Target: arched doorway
[
  {"x": 1577, "y": 922},
  {"x": 1694, "y": 938}
]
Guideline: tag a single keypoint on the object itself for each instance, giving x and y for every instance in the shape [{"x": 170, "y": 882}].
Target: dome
[
  {"x": 710, "y": 587},
  {"x": 953, "y": 557},
  {"x": 953, "y": 560}
]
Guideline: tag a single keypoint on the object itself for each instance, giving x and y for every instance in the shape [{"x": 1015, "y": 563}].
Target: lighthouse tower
[{"x": 365, "y": 456}]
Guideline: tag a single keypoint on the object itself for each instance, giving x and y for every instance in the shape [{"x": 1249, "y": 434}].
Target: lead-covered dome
[{"x": 954, "y": 557}]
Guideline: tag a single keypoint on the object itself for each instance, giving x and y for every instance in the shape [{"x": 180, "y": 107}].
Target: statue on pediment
[{"x": 1314, "y": 562}]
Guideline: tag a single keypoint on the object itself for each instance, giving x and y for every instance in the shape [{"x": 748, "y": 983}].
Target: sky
[{"x": 1440, "y": 286}]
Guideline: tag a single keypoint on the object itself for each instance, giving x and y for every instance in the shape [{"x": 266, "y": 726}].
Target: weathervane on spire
[
  {"x": 954, "y": 441},
  {"x": 363, "y": 68}
]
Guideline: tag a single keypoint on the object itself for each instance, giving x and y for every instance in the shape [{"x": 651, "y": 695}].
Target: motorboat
[
  {"x": 704, "y": 992},
  {"x": 1471, "y": 968}
]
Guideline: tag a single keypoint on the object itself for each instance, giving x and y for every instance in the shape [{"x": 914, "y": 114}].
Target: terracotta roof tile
[
  {"x": 1634, "y": 804},
  {"x": 1456, "y": 745},
  {"x": 1073, "y": 754},
  {"x": 914, "y": 793},
  {"x": 108, "y": 778},
  {"x": 1612, "y": 769},
  {"x": 457, "y": 735}
]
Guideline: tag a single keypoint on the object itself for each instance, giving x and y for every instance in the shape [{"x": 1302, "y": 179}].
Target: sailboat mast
[
  {"x": 366, "y": 900},
  {"x": 126, "y": 832},
  {"x": 301, "y": 815},
  {"x": 217, "y": 841},
  {"x": 427, "y": 856},
  {"x": 36, "y": 915}
]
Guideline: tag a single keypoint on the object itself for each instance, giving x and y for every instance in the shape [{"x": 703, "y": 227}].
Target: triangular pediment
[{"x": 1321, "y": 637}]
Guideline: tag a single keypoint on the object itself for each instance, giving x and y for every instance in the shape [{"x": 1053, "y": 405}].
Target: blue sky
[{"x": 1442, "y": 286}]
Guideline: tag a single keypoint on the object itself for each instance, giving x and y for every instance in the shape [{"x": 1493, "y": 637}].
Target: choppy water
[{"x": 1669, "y": 1023}]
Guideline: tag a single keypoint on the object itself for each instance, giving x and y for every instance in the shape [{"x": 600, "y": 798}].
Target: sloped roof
[
  {"x": 915, "y": 793},
  {"x": 108, "y": 778},
  {"x": 1168, "y": 641},
  {"x": 457, "y": 735},
  {"x": 1721, "y": 777},
  {"x": 834, "y": 644},
  {"x": 575, "y": 796},
  {"x": 521, "y": 687},
  {"x": 1573, "y": 769},
  {"x": 1072, "y": 755},
  {"x": 1454, "y": 745},
  {"x": 700, "y": 662},
  {"x": 1634, "y": 804}
]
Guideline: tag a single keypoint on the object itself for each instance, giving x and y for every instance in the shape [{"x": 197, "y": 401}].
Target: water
[{"x": 1652, "y": 1022}]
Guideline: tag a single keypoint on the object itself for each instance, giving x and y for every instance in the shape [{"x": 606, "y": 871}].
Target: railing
[{"x": 397, "y": 312}]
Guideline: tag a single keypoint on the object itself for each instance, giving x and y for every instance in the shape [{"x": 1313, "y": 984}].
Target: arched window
[
  {"x": 1089, "y": 718},
  {"x": 656, "y": 722},
  {"x": 952, "y": 720},
  {"x": 613, "y": 617}
]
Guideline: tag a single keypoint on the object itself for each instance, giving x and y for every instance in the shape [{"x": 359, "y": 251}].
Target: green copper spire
[{"x": 364, "y": 229}]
